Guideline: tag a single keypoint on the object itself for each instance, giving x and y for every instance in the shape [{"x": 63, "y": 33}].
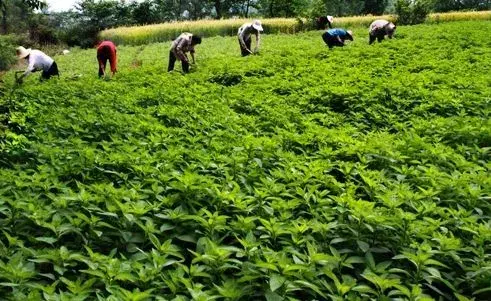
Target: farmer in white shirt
[
  {"x": 245, "y": 32},
  {"x": 379, "y": 29},
  {"x": 38, "y": 61}
]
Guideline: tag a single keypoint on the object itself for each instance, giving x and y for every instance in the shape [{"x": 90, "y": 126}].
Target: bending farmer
[
  {"x": 38, "y": 61},
  {"x": 336, "y": 37},
  {"x": 245, "y": 32},
  {"x": 379, "y": 29},
  {"x": 184, "y": 43},
  {"x": 324, "y": 22},
  {"x": 106, "y": 51}
]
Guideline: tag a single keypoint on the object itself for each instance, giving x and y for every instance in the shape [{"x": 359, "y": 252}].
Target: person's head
[
  {"x": 330, "y": 19},
  {"x": 256, "y": 24},
  {"x": 391, "y": 28},
  {"x": 350, "y": 35},
  {"x": 22, "y": 53},
  {"x": 195, "y": 40}
]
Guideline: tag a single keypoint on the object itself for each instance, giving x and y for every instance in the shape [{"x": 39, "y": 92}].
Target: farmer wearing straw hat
[
  {"x": 336, "y": 37},
  {"x": 245, "y": 32},
  {"x": 38, "y": 61},
  {"x": 184, "y": 43},
  {"x": 323, "y": 22},
  {"x": 106, "y": 51},
  {"x": 379, "y": 29}
]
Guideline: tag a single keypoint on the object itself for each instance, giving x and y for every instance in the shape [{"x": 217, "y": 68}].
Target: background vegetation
[
  {"x": 81, "y": 25},
  {"x": 297, "y": 174},
  {"x": 139, "y": 35}
]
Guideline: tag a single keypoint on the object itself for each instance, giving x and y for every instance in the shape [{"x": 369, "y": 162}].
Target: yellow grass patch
[{"x": 138, "y": 35}]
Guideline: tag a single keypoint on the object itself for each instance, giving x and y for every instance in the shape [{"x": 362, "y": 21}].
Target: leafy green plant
[{"x": 298, "y": 174}]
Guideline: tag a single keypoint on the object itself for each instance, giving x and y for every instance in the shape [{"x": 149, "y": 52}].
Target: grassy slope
[{"x": 308, "y": 151}]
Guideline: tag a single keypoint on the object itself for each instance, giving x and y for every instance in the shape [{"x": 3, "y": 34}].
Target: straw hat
[
  {"x": 257, "y": 25},
  {"x": 350, "y": 33},
  {"x": 22, "y": 52},
  {"x": 330, "y": 19}
]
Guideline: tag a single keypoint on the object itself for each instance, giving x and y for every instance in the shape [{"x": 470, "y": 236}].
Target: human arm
[
  {"x": 192, "y": 56},
  {"x": 340, "y": 40},
  {"x": 258, "y": 42},
  {"x": 30, "y": 68},
  {"x": 114, "y": 65},
  {"x": 101, "y": 68},
  {"x": 241, "y": 40}
]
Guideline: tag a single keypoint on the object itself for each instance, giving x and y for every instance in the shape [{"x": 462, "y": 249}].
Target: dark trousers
[
  {"x": 52, "y": 71},
  {"x": 379, "y": 36},
  {"x": 172, "y": 62},
  {"x": 331, "y": 41},
  {"x": 245, "y": 51}
]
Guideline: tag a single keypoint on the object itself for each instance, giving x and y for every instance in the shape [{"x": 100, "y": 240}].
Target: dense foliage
[
  {"x": 7, "y": 48},
  {"x": 412, "y": 11},
  {"x": 297, "y": 174},
  {"x": 24, "y": 5},
  {"x": 80, "y": 25}
]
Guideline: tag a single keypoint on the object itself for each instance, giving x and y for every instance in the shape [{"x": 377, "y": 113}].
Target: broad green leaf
[
  {"x": 272, "y": 296},
  {"x": 276, "y": 281}
]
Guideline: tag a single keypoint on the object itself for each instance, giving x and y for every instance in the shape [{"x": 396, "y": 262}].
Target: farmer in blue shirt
[{"x": 336, "y": 37}]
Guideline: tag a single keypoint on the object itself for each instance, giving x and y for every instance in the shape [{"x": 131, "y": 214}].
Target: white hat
[
  {"x": 22, "y": 52},
  {"x": 257, "y": 25},
  {"x": 330, "y": 19}
]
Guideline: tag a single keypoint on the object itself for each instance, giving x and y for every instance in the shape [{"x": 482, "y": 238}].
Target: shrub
[
  {"x": 7, "y": 51},
  {"x": 412, "y": 11}
]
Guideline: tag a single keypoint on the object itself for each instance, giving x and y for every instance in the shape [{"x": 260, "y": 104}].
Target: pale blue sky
[{"x": 60, "y": 5}]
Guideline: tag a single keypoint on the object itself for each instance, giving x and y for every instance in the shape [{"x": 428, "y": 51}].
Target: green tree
[
  {"x": 284, "y": 8},
  {"x": 31, "y": 4},
  {"x": 449, "y": 5},
  {"x": 412, "y": 11},
  {"x": 344, "y": 7},
  {"x": 375, "y": 7},
  {"x": 244, "y": 7}
]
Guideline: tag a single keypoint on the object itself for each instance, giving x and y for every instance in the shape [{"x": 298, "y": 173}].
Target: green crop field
[{"x": 360, "y": 173}]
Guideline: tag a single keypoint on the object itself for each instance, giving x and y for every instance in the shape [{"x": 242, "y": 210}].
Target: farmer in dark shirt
[
  {"x": 106, "y": 51},
  {"x": 324, "y": 22},
  {"x": 336, "y": 37},
  {"x": 244, "y": 34}
]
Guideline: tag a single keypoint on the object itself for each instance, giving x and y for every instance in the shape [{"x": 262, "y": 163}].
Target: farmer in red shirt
[{"x": 106, "y": 51}]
